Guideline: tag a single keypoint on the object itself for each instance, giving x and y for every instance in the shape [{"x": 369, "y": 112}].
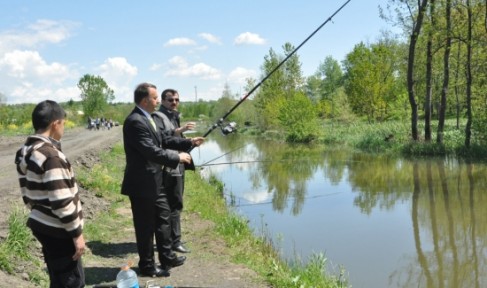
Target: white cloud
[
  {"x": 210, "y": 38},
  {"x": 239, "y": 74},
  {"x": 256, "y": 197},
  {"x": 249, "y": 38},
  {"x": 118, "y": 74},
  {"x": 25, "y": 77},
  {"x": 29, "y": 64},
  {"x": 42, "y": 31},
  {"x": 180, "y": 42},
  {"x": 178, "y": 66},
  {"x": 155, "y": 67},
  {"x": 26, "y": 92}
]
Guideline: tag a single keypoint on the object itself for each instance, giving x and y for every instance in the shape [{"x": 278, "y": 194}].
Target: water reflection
[
  {"x": 419, "y": 223},
  {"x": 446, "y": 204}
]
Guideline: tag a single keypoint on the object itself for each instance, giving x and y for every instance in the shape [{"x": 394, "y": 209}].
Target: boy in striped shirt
[{"x": 50, "y": 191}]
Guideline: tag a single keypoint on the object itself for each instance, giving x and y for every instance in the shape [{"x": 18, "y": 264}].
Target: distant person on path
[
  {"x": 173, "y": 179},
  {"x": 142, "y": 182},
  {"x": 50, "y": 191}
]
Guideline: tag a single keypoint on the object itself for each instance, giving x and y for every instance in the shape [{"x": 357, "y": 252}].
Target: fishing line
[
  {"x": 264, "y": 161},
  {"x": 219, "y": 123},
  {"x": 270, "y": 202},
  {"x": 239, "y": 162},
  {"x": 231, "y": 151}
]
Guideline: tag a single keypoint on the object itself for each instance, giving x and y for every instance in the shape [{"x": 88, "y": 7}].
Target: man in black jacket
[
  {"x": 142, "y": 181},
  {"x": 173, "y": 179}
]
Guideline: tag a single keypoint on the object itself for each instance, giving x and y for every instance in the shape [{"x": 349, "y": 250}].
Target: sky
[{"x": 193, "y": 46}]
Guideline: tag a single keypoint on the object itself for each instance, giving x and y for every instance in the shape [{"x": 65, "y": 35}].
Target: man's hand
[
  {"x": 189, "y": 126},
  {"x": 184, "y": 157},
  {"x": 79, "y": 246},
  {"x": 185, "y": 127},
  {"x": 197, "y": 141}
]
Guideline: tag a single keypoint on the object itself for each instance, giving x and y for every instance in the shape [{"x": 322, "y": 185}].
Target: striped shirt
[{"x": 49, "y": 189}]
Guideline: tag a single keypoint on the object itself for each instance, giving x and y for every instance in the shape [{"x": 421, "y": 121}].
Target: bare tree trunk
[
  {"x": 446, "y": 75},
  {"x": 410, "y": 74},
  {"x": 468, "y": 128},
  {"x": 429, "y": 68},
  {"x": 457, "y": 92}
]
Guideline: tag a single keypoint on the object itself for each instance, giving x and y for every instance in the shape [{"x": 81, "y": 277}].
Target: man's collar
[
  {"x": 168, "y": 111},
  {"x": 147, "y": 114}
]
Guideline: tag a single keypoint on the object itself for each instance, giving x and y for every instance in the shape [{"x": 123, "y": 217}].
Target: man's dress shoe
[
  {"x": 157, "y": 272},
  {"x": 181, "y": 249},
  {"x": 178, "y": 261}
]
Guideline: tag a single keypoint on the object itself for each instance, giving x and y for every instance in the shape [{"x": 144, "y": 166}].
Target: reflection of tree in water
[
  {"x": 447, "y": 211},
  {"x": 284, "y": 168},
  {"x": 288, "y": 175},
  {"x": 379, "y": 181}
]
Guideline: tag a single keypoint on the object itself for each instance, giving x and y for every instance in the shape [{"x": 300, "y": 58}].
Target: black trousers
[
  {"x": 174, "y": 189},
  {"x": 63, "y": 270},
  {"x": 152, "y": 218}
]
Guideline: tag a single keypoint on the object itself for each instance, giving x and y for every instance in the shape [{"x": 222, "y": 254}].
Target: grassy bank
[
  {"x": 394, "y": 137},
  {"x": 204, "y": 198}
]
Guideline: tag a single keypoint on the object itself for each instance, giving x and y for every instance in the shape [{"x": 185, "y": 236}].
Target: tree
[
  {"x": 446, "y": 74},
  {"x": 429, "y": 72},
  {"x": 282, "y": 84},
  {"x": 371, "y": 78},
  {"x": 323, "y": 85},
  {"x": 469, "y": 76},
  {"x": 413, "y": 39},
  {"x": 95, "y": 94},
  {"x": 332, "y": 76}
]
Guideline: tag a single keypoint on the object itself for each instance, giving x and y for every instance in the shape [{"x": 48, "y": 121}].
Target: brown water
[{"x": 389, "y": 222}]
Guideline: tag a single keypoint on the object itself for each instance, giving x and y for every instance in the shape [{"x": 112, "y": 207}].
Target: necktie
[{"x": 152, "y": 123}]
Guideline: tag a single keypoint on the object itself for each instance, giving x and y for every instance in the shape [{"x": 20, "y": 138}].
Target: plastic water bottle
[{"x": 127, "y": 278}]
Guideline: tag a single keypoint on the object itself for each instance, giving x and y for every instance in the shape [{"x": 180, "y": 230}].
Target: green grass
[
  {"x": 394, "y": 137},
  {"x": 18, "y": 247}
]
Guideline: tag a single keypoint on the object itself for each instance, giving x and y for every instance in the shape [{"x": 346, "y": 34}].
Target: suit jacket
[
  {"x": 168, "y": 121},
  {"x": 144, "y": 157}
]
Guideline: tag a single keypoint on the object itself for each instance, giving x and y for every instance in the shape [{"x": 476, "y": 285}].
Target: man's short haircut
[
  {"x": 142, "y": 91},
  {"x": 45, "y": 113},
  {"x": 168, "y": 92}
]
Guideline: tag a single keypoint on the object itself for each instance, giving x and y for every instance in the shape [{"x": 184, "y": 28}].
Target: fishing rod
[
  {"x": 232, "y": 125},
  {"x": 237, "y": 162},
  {"x": 216, "y": 158}
]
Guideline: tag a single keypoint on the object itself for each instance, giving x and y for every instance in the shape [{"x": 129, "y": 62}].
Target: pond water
[{"x": 389, "y": 222}]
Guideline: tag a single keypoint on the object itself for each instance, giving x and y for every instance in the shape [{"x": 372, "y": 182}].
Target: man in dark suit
[
  {"x": 142, "y": 181},
  {"x": 168, "y": 118}
]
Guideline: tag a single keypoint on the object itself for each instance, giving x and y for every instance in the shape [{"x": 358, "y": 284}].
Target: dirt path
[{"x": 207, "y": 266}]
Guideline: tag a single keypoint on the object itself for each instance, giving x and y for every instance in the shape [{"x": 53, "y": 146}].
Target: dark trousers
[
  {"x": 58, "y": 253},
  {"x": 174, "y": 189},
  {"x": 152, "y": 218}
]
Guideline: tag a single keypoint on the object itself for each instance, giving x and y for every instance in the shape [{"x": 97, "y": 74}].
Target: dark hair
[
  {"x": 168, "y": 92},
  {"x": 45, "y": 113},
  {"x": 142, "y": 91}
]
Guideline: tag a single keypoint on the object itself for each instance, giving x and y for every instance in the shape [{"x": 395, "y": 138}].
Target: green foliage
[
  {"x": 104, "y": 179},
  {"x": 198, "y": 110},
  {"x": 17, "y": 114},
  {"x": 372, "y": 78},
  {"x": 282, "y": 84},
  {"x": 95, "y": 95},
  {"x": 297, "y": 116},
  {"x": 18, "y": 246}
]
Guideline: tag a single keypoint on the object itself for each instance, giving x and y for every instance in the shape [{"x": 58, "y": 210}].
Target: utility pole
[{"x": 196, "y": 94}]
